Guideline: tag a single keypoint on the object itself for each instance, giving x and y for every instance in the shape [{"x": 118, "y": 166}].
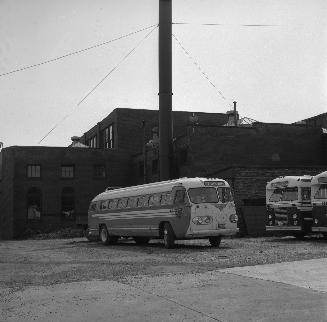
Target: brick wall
[
  {"x": 84, "y": 184},
  {"x": 6, "y": 195}
]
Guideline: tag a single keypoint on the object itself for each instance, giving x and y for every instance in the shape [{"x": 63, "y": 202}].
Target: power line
[
  {"x": 98, "y": 84},
  {"x": 199, "y": 68},
  {"x": 114, "y": 68},
  {"x": 75, "y": 52},
  {"x": 223, "y": 24}
]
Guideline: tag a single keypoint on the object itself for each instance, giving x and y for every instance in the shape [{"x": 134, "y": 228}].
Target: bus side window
[
  {"x": 165, "y": 199},
  {"x": 143, "y": 201},
  {"x": 122, "y": 203},
  {"x": 132, "y": 202},
  {"x": 154, "y": 200},
  {"x": 112, "y": 204},
  {"x": 93, "y": 206},
  {"x": 179, "y": 197}
]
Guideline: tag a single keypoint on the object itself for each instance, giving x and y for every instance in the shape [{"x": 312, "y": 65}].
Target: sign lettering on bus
[
  {"x": 214, "y": 183},
  {"x": 322, "y": 180}
]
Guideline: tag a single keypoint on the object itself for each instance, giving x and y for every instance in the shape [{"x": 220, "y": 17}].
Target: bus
[
  {"x": 186, "y": 208},
  {"x": 319, "y": 203},
  {"x": 288, "y": 204}
]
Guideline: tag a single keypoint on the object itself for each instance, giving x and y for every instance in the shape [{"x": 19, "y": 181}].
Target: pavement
[{"x": 289, "y": 291}]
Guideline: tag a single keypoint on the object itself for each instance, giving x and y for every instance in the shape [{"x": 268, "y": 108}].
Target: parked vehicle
[
  {"x": 319, "y": 203},
  {"x": 289, "y": 208},
  {"x": 187, "y": 208}
]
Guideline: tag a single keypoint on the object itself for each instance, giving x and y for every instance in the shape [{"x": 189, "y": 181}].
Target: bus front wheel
[
  {"x": 105, "y": 238},
  {"x": 168, "y": 236},
  {"x": 215, "y": 241}
]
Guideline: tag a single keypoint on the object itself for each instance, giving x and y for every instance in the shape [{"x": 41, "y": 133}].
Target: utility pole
[{"x": 165, "y": 89}]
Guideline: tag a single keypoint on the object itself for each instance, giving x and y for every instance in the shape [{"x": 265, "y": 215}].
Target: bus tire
[
  {"x": 215, "y": 241},
  {"x": 141, "y": 240},
  {"x": 168, "y": 236},
  {"x": 105, "y": 238}
]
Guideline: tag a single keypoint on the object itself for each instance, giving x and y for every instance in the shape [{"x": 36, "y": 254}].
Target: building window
[
  {"x": 108, "y": 137},
  {"x": 34, "y": 198},
  {"x": 93, "y": 142},
  {"x": 34, "y": 171},
  {"x": 99, "y": 171},
  {"x": 67, "y": 171},
  {"x": 68, "y": 203}
]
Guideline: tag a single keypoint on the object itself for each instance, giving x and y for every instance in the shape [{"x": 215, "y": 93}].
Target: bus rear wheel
[
  {"x": 168, "y": 236},
  {"x": 141, "y": 240},
  {"x": 215, "y": 241},
  {"x": 105, "y": 238}
]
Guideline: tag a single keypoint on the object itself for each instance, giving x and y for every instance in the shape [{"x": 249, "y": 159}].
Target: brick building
[{"x": 46, "y": 187}]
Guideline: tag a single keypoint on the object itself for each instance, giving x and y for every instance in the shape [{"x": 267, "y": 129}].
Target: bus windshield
[
  {"x": 322, "y": 192},
  {"x": 203, "y": 195},
  {"x": 276, "y": 195},
  {"x": 290, "y": 194}
]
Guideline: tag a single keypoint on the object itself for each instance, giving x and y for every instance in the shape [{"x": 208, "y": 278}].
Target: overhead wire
[
  {"x": 75, "y": 52},
  {"x": 223, "y": 24},
  {"x": 99, "y": 83},
  {"x": 204, "y": 74}
]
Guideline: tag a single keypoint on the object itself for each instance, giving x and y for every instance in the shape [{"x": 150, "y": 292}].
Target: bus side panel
[{"x": 141, "y": 221}]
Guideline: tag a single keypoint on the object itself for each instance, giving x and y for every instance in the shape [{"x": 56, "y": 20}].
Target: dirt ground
[
  {"x": 46, "y": 262},
  {"x": 76, "y": 280}
]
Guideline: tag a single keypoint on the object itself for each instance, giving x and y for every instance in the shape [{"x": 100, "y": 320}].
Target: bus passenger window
[
  {"x": 104, "y": 204},
  {"x": 165, "y": 199},
  {"x": 132, "y": 202},
  {"x": 122, "y": 203},
  {"x": 112, "y": 204},
  {"x": 154, "y": 200},
  {"x": 143, "y": 201},
  {"x": 93, "y": 206}
]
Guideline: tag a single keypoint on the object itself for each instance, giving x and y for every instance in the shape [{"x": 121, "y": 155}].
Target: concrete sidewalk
[{"x": 225, "y": 295}]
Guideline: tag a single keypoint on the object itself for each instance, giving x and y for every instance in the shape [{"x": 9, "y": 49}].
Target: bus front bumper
[
  {"x": 283, "y": 228},
  {"x": 209, "y": 233},
  {"x": 319, "y": 229}
]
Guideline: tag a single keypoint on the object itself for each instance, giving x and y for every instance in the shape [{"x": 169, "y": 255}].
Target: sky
[{"x": 276, "y": 73}]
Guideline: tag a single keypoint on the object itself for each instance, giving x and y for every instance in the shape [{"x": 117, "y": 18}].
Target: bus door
[
  {"x": 227, "y": 216},
  {"x": 180, "y": 210},
  {"x": 204, "y": 214},
  {"x": 319, "y": 211}
]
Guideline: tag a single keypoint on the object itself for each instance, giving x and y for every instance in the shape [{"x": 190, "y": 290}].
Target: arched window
[
  {"x": 68, "y": 203},
  {"x": 34, "y": 204}
]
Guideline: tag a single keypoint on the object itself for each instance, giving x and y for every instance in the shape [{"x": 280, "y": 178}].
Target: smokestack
[{"x": 235, "y": 113}]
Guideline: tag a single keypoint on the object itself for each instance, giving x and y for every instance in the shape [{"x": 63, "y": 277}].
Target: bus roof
[
  {"x": 289, "y": 181},
  {"x": 160, "y": 186},
  {"x": 320, "y": 178}
]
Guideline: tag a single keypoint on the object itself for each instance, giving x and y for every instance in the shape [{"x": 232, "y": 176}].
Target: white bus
[
  {"x": 186, "y": 208},
  {"x": 319, "y": 203},
  {"x": 289, "y": 208}
]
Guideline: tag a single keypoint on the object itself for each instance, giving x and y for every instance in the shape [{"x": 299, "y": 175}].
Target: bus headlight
[
  {"x": 269, "y": 216},
  {"x": 233, "y": 218},
  {"x": 295, "y": 222},
  {"x": 316, "y": 221},
  {"x": 294, "y": 216},
  {"x": 202, "y": 220},
  {"x": 270, "y": 223}
]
